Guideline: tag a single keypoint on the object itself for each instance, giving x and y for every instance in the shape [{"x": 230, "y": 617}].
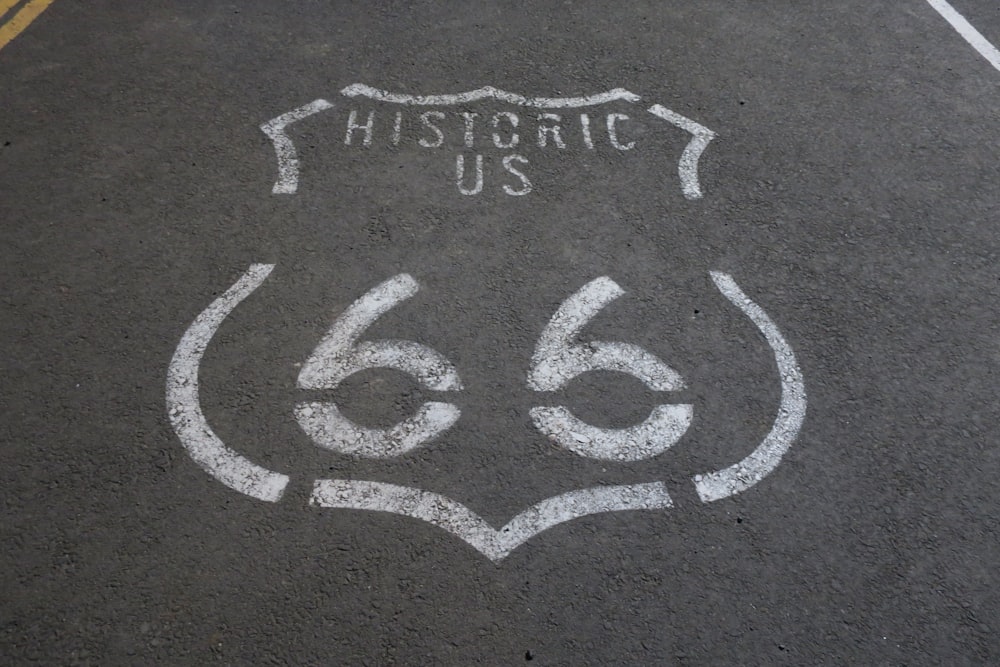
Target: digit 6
[
  {"x": 339, "y": 355},
  {"x": 557, "y": 360}
]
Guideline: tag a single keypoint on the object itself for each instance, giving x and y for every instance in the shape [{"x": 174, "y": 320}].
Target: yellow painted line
[
  {"x": 5, "y": 6},
  {"x": 21, "y": 20}
]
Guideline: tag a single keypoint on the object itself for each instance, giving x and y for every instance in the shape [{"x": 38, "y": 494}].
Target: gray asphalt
[{"x": 851, "y": 191}]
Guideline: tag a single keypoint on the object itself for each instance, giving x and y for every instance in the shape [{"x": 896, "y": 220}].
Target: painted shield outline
[
  {"x": 288, "y": 161},
  {"x": 240, "y": 474}
]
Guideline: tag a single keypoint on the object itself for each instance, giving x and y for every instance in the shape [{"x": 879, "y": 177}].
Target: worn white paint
[
  {"x": 469, "y": 137},
  {"x": 508, "y": 164},
  {"x": 512, "y": 120},
  {"x": 288, "y": 161},
  {"x": 967, "y": 31},
  {"x": 791, "y": 411},
  {"x": 588, "y": 140},
  {"x": 687, "y": 167},
  {"x": 612, "y": 121},
  {"x": 353, "y": 126},
  {"x": 288, "y": 164},
  {"x": 489, "y": 92},
  {"x": 462, "y": 522},
  {"x": 184, "y": 405},
  {"x": 553, "y": 130},
  {"x": 339, "y": 356},
  {"x": 426, "y": 118},
  {"x": 329, "y": 429},
  {"x": 477, "y": 176},
  {"x": 397, "y": 126},
  {"x": 557, "y": 360},
  {"x": 661, "y": 430}
]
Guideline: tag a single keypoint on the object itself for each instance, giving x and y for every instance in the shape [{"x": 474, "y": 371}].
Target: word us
[
  {"x": 558, "y": 358},
  {"x": 432, "y": 122}
]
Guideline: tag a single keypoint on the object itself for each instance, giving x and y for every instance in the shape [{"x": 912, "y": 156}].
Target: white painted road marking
[
  {"x": 241, "y": 475},
  {"x": 184, "y": 405},
  {"x": 557, "y": 360},
  {"x": 339, "y": 356},
  {"x": 549, "y": 130},
  {"x": 967, "y": 31},
  {"x": 288, "y": 160},
  {"x": 462, "y": 522},
  {"x": 687, "y": 168},
  {"x": 488, "y": 92},
  {"x": 658, "y": 433},
  {"x": 791, "y": 412},
  {"x": 331, "y": 430}
]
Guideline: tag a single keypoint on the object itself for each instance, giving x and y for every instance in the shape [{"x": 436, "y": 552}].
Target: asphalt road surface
[{"x": 462, "y": 333}]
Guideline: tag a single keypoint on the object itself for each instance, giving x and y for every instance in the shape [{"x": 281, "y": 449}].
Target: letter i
[
  {"x": 396, "y": 126},
  {"x": 585, "y": 124}
]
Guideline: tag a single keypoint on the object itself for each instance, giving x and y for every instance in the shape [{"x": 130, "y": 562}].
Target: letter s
[{"x": 525, "y": 183}]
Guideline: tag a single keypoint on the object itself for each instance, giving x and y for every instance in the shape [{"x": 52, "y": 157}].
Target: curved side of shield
[
  {"x": 184, "y": 404},
  {"x": 288, "y": 159},
  {"x": 791, "y": 412}
]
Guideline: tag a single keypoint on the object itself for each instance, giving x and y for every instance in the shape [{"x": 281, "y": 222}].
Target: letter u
[{"x": 460, "y": 175}]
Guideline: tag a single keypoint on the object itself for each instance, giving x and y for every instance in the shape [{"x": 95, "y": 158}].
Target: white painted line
[
  {"x": 489, "y": 92},
  {"x": 967, "y": 31},
  {"x": 462, "y": 522},
  {"x": 660, "y": 431},
  {"x": 339, "y": 355},
  {"x": 557, "y": 360},
  {"x": 687, "y": 167},
  {"x": 288, "y": 161},
  {"x": 791, "y": 412},
  {"x": 184, "y": 406}
]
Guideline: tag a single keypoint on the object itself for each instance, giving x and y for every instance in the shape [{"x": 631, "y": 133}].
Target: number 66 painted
[{"x": 555, "y": 363}]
